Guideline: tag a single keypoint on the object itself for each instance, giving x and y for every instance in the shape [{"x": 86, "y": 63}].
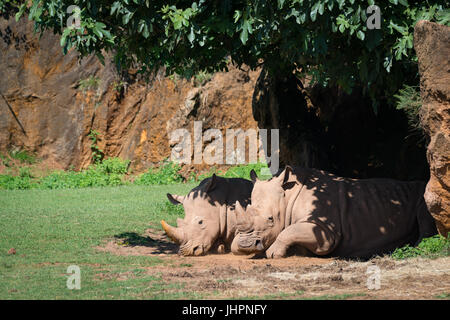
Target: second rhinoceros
[
  {"x": 210, "y": 221},
  {"x": 330, "y": 215}
]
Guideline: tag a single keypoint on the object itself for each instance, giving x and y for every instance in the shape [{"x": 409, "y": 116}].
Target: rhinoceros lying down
[
  {"x": 210, "y": 221},
  {"x": 334, "y": 216}
]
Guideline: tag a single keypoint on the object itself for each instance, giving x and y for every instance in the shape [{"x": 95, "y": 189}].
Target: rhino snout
[
  {"x": 190, "y": 249},
  {"x": 250, "y": 243}
]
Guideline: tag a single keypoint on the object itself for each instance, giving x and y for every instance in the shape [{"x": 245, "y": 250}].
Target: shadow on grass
[{"x": 159, "y": 244}]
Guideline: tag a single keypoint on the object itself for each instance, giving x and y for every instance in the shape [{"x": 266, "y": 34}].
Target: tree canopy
[{"x": 327, "y": 39}]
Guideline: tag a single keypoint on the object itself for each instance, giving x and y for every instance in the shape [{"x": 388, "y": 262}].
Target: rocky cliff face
[
  {"x": 49, "y": 103},
  {"x": 432, "y": 44}
]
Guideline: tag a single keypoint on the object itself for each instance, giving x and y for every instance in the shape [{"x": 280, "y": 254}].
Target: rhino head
[
  {"x": 209, "y": 223},
  {"x": 261, "y": 222}
]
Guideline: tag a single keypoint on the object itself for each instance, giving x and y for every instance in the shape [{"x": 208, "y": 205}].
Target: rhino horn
[
  {"x": 176, "y": 234},
  {"x": 242, "y": 219},
  {"x": 180, "y": 222},
  {"x": 240, "y": 213}
]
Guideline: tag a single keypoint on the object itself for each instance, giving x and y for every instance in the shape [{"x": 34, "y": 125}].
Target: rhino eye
[
  {"x": 270, "y": 219},
  {"x": 200, "y": 221}
]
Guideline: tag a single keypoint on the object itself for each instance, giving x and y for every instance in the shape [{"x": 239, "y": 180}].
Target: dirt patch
[{"x": 225, "y": 276}]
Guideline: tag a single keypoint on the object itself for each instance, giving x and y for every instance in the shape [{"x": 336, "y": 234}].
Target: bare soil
[{"x": 227, "y": 276}]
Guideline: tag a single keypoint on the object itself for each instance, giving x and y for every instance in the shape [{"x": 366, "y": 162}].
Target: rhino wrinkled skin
[
  {"x": 210, "y": 221},
  {"x": 332, "y": 216}
]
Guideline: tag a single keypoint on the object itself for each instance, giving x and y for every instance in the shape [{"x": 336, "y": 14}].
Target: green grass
[
  {"x": 274, "y": 296},
  {"x": 52, "y": 229},
  {"x": 432, "y": 247},
  {"x": 343, "y": 296},
  {"x": 445, "y": 295}
]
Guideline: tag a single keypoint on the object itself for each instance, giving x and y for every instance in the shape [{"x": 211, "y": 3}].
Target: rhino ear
[
  {"x": 253, "y": 176},
  {"x": 211, "y": 183},
  {"x": 287, "y": 172},
  {"x": 175, "y": 199}
]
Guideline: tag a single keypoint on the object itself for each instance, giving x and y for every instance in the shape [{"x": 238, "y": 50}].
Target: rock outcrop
[
  {"x": 49, "y": 103},
  {"x": 432, "y": 45}
]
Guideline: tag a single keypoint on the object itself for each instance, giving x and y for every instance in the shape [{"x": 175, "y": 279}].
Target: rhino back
[{"x": 369, "y": 216}]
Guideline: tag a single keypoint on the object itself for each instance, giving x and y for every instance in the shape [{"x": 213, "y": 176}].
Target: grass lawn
[{"x": 52, "y": 229}]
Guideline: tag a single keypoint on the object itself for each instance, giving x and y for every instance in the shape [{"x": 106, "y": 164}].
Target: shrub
[
  {"x": 23, "y": 156},
  {"x": 243, "y": 171},
  {"x": 431, "y": 247},
  {"x": 113, "y": 166},
  {"x": 238, "y": 171},
  {"x": 167, "y": 173},
  {"x": 410, "y": 102},
  {"x": 204, "y": 175},
  {"x": 109, "y": 173},
  {"x": 97, "y": 153},
  {"x": 25, "y": 172},
  {"x": 10, "y": 182}
]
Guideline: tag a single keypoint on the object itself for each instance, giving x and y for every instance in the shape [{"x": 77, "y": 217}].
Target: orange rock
[
  {"x": 57, "y": 111},
  {"x": 432, "y": 45}
]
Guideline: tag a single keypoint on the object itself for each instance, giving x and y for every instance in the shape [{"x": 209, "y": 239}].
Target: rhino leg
[{"x": 309, "y": 235}]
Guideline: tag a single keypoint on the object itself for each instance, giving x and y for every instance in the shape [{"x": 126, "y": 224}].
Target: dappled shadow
[
  {"x": 346, "y": 218},
  {"x": 368, "y": 217},
  {"x": 159, "y": 244}
]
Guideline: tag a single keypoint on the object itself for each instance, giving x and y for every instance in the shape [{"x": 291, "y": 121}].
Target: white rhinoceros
[
  {"x": 330, "y": 215},
  {"x": 210, "y": 221}
]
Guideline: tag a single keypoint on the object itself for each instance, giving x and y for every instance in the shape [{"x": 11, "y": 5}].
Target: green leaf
[
  {"x": 191, "y": 36},
  {"x": 244, "y": 36},
  {"x": 177, "y": 23},
  {"x": 360, "y": 35},
  {"x": 127, "y": 17},
  {"x": 64, "y": 36},
  {"x": 330, "y": 5},
  {"x": 321, "y": 8},
  {"x": 115, "y": 7},
  {"x": 237, "y": 15},
  {"x": 101, "y": 57},
  {"x": 398, "y": 28},
  {"x": 314, "y": 10},
  {"x": 248, "y": 26}
]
